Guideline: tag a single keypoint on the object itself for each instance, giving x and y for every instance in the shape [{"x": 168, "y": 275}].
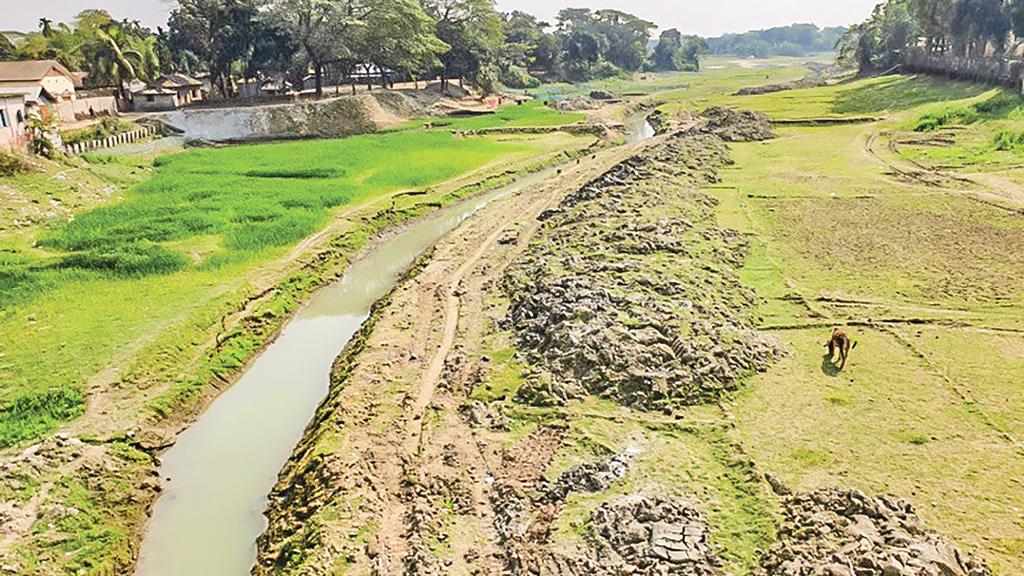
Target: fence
[
  {"x": 126, "y": 138},
  {"x": 83, "y": 108}
]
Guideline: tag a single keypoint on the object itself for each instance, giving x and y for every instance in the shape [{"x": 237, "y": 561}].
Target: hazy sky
[{"x": 702, "y": 17}]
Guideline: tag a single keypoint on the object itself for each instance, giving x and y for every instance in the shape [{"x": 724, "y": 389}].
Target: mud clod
[
  {"x": 655, "y": 535},
  {"x": 833, "y": 531}
]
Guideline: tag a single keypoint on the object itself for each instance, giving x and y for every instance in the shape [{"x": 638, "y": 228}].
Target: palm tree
[{"x": 115, "y": 63}]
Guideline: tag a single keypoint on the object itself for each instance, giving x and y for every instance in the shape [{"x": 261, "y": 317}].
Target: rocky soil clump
[
  {"x": 738, "y": 125},
  {"x": 654, "y": 535},
  {"x": 576, "y": 104},
  {"x": 835, "y": 532},
  {"x": 630, "y": 291}
]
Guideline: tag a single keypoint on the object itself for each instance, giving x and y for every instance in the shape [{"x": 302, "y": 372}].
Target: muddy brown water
[{"x": 218, "y": 474}]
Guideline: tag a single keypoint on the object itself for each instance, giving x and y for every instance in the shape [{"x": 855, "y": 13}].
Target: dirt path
[{"x": 427, "y": 474}]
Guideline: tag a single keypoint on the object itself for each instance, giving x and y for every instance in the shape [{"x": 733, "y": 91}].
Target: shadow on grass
[
  {"x": 828, "y": 367},
  {"x": 902, "y": 93}
]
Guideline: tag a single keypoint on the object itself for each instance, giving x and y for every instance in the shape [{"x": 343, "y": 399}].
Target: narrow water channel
[
  {"x": 218, "y": 474},
  {"x": 639, "y": 128}
]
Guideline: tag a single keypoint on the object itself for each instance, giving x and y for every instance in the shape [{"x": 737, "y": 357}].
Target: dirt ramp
[{"x": 343, "y": 116}]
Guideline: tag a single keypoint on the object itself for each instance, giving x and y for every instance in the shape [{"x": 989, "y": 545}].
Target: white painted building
[{"x": 12, "y": 122}]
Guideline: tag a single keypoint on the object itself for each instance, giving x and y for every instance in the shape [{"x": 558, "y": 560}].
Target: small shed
[{"x": 155, "y": 99}]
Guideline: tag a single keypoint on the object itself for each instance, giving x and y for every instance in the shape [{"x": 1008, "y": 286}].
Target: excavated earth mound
[
  {"x": 654, "y": 535},
  {"x": 846, "y": 533},
  {"x": 631, "y": 292},
  {"x": 738, "y": 125},
  {"x": 576, "y": 103}
]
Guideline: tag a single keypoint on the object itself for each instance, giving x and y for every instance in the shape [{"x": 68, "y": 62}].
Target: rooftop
[{"x": 29, "y": 70}]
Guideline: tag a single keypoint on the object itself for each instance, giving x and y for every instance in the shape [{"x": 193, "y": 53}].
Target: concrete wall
[
  {"x": 58, "y": 85},
  {"x": 160, "y": 103},
  {"x": 79, "y": 109},
  {"x": 993, "y": 70}
]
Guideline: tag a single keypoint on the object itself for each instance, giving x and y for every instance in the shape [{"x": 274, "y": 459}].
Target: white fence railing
[{"x": 126, "y": 138}]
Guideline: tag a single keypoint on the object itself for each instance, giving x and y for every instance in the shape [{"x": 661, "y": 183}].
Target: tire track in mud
[{"x": 404, "y": 529}]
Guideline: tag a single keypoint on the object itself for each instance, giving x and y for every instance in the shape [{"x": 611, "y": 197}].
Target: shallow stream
[{"x": 218, "y": 474}]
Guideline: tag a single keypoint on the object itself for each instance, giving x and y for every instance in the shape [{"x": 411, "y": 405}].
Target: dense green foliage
[
  {"x": 949, "y": 27},
  {"x": 794, "y": 40},
  {"x": 676, "y": 53}
]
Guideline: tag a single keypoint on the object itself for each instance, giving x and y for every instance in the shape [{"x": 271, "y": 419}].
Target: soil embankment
[{"x": 332, "y": 118}]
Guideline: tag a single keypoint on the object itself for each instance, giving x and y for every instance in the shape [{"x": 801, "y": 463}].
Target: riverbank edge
[{"x": 331, "y": 265}]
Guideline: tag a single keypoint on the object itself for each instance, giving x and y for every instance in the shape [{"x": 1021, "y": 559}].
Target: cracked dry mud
[{"x": 443, "y": 445}]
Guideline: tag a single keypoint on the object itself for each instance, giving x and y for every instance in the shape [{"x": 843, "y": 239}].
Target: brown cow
[{"x": 842, "y": 342}]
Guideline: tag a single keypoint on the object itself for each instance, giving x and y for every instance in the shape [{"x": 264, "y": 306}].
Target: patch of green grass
[
  {"x": 35, "y": 414},
  {"x": 808, "y": 457},
  {"x": 896, "y": 93},
  {"x": 532, "y": 113}
]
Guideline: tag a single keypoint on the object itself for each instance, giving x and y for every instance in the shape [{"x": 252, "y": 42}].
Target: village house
[
  {"x": 12, "y": 121},
  {"x": 42, "y": 82},
  {"x": 168, "y": 92}
]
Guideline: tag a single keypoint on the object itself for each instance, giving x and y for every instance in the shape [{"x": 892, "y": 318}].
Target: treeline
[
  {"x": 378, "y": 40},
  {"x": 794, "y": 40},
  {"x": 950, "y": 27}
]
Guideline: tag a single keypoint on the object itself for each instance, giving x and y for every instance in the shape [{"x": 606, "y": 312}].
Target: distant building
[
  {"x": 37, "y": 80},
  {"x": 12, "y": 121},
  {"x": 168, "y": 92}
]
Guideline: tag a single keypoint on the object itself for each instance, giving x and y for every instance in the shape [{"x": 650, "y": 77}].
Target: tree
[
  {"x": 399, "y": 35},
  {"x": 7, "y": 50},
  {"x": 114, "y": 63},
  {"x": 323, "y": 29},
  {"x": 879, "y": 43},
  {"x": 474, "y": 31},
  {"x": 216, "y": 32}
]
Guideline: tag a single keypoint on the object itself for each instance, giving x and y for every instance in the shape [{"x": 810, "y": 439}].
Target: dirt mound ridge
[
  {"x": 738, "y": 125},
  {"x": 335, "y": 117},
  {"x": 846, "y": 533},
  {"x": 631, "y": 292}
]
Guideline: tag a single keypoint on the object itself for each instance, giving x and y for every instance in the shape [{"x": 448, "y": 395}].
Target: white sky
[{"x": 701, "y": 17}]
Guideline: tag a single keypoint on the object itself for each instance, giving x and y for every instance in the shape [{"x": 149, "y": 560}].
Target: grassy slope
[{"x": 931, "y": 411}]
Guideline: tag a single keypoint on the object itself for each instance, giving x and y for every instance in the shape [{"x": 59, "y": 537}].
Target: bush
[
  {"x": 605, "y": 69},
  {"x": 516, "y": 77},
  {"x": 106, "y": 128},
  {"x": 11, "y": 164},
  {"x": 996, "y": 107},
  {"x": 1008, "y": 141}
]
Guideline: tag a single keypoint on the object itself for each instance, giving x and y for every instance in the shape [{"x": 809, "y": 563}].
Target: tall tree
[
  {"x": 475, "y": 32},
  {"x": 323, "y": 29},
  {"x": 217, "y": 32},
  {"x": 399, "y": 35}
]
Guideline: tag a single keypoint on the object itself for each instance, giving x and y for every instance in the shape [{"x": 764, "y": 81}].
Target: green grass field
[
  {"x": 82, "y": 295},
  {"x": 531, "y": 114},
  {"x": 923, "y": 266}
]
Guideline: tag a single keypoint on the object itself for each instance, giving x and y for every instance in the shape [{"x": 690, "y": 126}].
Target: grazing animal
[{"x": 841, "y": 342}]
